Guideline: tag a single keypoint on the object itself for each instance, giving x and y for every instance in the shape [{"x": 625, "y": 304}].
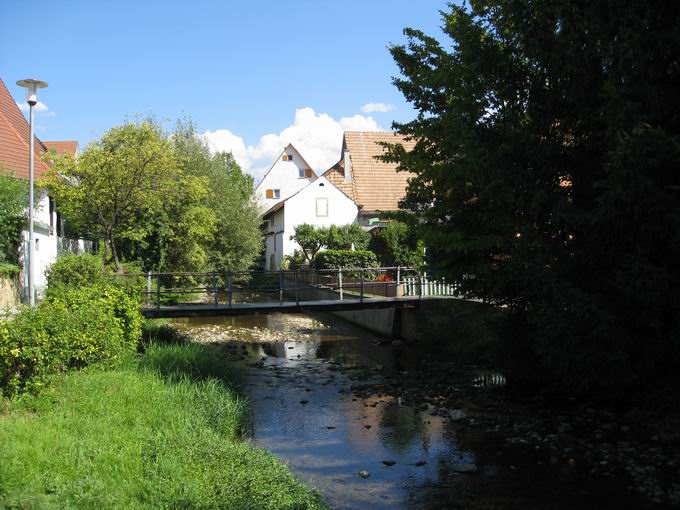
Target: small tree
[
  {"x": 346, "y": 237},
  {"x": 13, "y": 199},
  {"x": 310, "y": 239},
  {"x": 397, "y": 244}
]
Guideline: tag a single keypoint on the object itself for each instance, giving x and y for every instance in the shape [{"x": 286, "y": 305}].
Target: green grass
[{"x": 163, "y": 431}]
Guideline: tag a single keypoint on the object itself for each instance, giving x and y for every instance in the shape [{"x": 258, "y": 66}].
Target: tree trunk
[
  {"x": 114, "y": 252},
  {"x": 105, "y": 254}
]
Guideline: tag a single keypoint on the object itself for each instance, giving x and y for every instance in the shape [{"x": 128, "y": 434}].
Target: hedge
[
  {"x": 72, "y": 328},
  {"x": 336, "y": 259}
]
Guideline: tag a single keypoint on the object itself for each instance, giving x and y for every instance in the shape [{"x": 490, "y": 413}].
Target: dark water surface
[{"x": 368, "y": 451}]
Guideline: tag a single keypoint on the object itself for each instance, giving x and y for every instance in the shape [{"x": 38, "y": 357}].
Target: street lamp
[{"x": 31, "y": 87}]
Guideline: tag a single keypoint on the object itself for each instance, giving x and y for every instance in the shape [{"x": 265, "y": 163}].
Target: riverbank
[{"x": 162, "y": 430}]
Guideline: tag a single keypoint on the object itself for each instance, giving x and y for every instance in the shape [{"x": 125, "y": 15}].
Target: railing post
[
  {"x": 158, "y": 291},
  {"x": 396, "y": 290},
  {"x": 361, "y": 295},
  {"x": 148, "y": 288},
  {"x": 214, "y": 287},
  {"x": 230, "y": 290},
  {"x": 280, "y": 286},
  {"x": 340, "y": 282},
  {"x": 297, "y": 288},
  {"x": 420, "y": 285}
]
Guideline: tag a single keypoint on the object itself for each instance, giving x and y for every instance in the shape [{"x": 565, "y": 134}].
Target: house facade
[
  {"x": 14, "y": 162},
  {"x": 288, "y": 174},
  {"x": 320, "y": 204},
  {"x": 362, "y": 194}
]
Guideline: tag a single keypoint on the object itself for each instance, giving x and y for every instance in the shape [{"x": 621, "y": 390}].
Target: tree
[
  {"x": 346, "y": 237},
  {"x": 126, "y": 175},
  {"x": 310, "y": 239},
  {"x": 236, "y": 242},
  {"x": 548, "y": 143},
  {"x": 13, "y": 200},
  {"x": 397, "y": 244}
]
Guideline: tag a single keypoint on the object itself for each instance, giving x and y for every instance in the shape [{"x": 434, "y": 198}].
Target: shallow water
[{"x": 365, "y": 449}]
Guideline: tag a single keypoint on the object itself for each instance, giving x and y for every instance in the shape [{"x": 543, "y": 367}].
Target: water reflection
[{"x": 298, "y": 371}]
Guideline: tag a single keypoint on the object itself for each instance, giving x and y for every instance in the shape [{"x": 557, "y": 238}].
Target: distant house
[
  {"x": 374, "y": 185},
  {"x": 14, "y": 161},
  {"x": 320, "y": 204},
  {"x": 288, "y": 174},
  {"x": 338, "y": 197}
]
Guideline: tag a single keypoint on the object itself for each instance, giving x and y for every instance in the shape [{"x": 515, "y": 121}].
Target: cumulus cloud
[
  {"x": 377, "y": 107},
  {"x": 318, "y": 137},
  {"x": 38, "y": 108}
]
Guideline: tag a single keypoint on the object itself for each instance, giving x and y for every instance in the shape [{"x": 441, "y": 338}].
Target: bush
[
  {"x": 398, "y": 245},
  {"x": 75, "y": 270},
  {"x": 294, "y": 262},
  {"x": 8, "y": 270},
  {"x": 336, "y": 259},
  {"x": 72, "y": 328}
]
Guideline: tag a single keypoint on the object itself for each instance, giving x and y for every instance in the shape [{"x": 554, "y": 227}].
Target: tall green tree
[
  {"x": 236, "y": 242},
  {"x": 548, "y": 143}
]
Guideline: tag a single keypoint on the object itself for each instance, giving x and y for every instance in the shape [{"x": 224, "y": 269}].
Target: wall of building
[
  {"x": 284, "y": 176},
  {"x": 302, "y": 208},
  {"x": 46, "y": 245},
  {"x": 9, "y": 293}
]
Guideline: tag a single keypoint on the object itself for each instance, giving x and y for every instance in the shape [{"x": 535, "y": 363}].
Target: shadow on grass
[{"x": 176, "y": 357}]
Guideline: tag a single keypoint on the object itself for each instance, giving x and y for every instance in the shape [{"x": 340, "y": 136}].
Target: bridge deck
[{"x": 212, "y": 310}]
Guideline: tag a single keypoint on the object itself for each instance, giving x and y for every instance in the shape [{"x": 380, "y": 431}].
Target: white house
[
  {"x": 47, "y": 223},
  {"x": 288, "y": 175},
  {"x": 319, "y": 203}
]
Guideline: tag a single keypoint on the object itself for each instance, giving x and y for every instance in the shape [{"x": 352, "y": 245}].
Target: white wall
[
  {"x": 284, "y": 176},
  {"x": 45, "y": 239},
  {"x": 302, "y": 209},
  {"x": 274, "y": 240}
]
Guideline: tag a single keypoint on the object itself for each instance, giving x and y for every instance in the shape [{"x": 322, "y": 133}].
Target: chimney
[{"x": 348, "y": 166}]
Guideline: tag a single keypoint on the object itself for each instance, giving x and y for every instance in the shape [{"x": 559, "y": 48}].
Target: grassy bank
[{"x": 161, "y": 431}]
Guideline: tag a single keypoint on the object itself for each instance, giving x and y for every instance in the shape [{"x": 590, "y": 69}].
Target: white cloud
[
  {"x": 377, "y": 107},
  {"x": 318, "y": 137},
  {"x": 38, "y": 108}
]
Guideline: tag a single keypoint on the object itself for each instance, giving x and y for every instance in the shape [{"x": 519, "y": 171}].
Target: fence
[{"x": 424, "y": 286}]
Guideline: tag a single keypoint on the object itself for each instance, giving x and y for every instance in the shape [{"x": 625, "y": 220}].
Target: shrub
[
  {"x": 72, "y": 328},
  {"x": 294, "y": 262},
  {"x": 75, "y": 270},
  {"x": 8, "y": 270},
  {"x": 336, "y": 259},
  {"x": 397, "y": 244}
]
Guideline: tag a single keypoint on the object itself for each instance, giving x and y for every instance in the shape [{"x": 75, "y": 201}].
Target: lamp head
[{"x": 31, "y": 85}]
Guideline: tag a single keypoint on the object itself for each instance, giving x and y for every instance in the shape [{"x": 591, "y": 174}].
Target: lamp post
[{"x": 31, "y": 87}]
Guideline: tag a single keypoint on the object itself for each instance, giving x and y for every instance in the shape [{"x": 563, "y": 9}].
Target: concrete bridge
[{"x": 172, "y": 295}]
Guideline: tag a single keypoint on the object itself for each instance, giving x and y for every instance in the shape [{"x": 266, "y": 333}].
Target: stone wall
[{"x": 9, "y": 292}]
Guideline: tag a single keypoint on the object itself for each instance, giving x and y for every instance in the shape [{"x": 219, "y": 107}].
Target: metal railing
[{"x": 228, "y": 288}]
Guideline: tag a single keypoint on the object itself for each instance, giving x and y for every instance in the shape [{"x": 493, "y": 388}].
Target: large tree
[{"x": 546, "y": 175}]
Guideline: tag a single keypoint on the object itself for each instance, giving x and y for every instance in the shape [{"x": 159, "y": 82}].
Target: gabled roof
[
  {"x": 282, "y": 203},
  {"x": 375, "y": 185},
  {"x": 14, "y": 134},
  {"x": 291, "y": 146},
  {"x": 69, "y": 147}
]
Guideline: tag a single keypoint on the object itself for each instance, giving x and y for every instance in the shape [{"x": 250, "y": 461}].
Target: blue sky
[{"x": 241, "y": 70}]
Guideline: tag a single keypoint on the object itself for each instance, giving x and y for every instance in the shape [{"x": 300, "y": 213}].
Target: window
[
  {"x": 301, "y": 173},
  {"x": 271, "y": 222},
  {"x": 287, "y": 157},
  {"x": 37, "y": 245},
  {"x": 308, "y": 173},
  {"x": 277, "y": 193},
  {"x": 269, "y": 193},
  {"x": 322, "y": 207}
]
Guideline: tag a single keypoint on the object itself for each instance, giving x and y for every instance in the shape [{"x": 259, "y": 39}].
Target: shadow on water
[{"x": 366, "y": 449}]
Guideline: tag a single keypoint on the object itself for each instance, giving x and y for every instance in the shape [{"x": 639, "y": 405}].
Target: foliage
[
  {"x": 545, "y": 173},
  {"x": 8, "y": 270},
  {"x": 294, "y": 262},
  {"x": 236, "y": 240},
  {"x": 174, "y": 440},
  {"x": 72, "y": 328},
  {"x": 310, "y": 239},
  {"x": 345, "y": 237},
  {"x": 398, "y": 244},
  {"x": 128, "y": 174},
  {"x": 336, "y": 259},
  {"x": 13, "y": 200},
  {"x": 75, "y": 271}
]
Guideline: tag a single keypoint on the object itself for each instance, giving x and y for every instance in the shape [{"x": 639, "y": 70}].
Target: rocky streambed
[{"x": 373, "y": 422}]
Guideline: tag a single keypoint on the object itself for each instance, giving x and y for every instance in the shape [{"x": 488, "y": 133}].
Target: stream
[{"x": 319, "y": 400}]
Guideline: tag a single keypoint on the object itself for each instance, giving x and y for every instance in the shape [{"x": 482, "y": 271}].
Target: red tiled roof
[
  {"x": 14, "y": 134},
  {"x": 69, "y": 147},
  {"x": 375, "y": 185}
]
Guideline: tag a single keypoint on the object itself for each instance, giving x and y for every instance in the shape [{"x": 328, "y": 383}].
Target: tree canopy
[
  {"x": 13, "y": 214},
  {"x": 160, "y": 199},
  {"x": 545, "y": 173}
]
